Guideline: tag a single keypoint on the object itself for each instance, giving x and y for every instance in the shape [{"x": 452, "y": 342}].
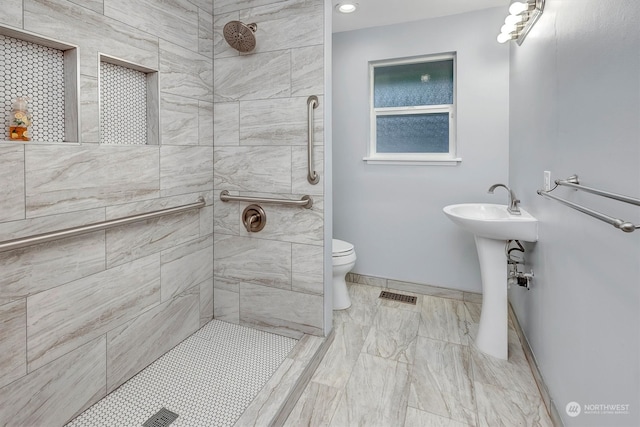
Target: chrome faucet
[{"x": 513, "y": 201}]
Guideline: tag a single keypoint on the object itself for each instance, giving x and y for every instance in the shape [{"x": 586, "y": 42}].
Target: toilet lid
[{"x": 341, "y": 248}]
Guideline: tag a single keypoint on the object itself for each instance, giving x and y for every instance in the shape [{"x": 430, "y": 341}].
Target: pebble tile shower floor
[{"x": 208, "y": 380}]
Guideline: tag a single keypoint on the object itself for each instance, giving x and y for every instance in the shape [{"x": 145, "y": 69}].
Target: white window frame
[{"x": 373, "y": 157}]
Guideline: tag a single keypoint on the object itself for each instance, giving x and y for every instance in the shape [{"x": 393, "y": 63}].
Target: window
[{"x": 413, "y": 106}]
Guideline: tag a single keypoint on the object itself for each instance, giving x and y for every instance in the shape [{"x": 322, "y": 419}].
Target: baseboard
[{"x": 537, "y": 375}]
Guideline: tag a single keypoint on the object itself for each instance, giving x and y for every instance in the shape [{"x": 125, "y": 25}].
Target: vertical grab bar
[{"x": 312, "y": 104}]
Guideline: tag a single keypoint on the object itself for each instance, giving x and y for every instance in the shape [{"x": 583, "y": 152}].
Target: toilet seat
[{"x": 341, "y": 248}]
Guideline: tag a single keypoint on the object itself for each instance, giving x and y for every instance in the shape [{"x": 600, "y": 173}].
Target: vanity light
[
  {"x": 523, "y": 15},
  {"x": 346, "y": 7}
]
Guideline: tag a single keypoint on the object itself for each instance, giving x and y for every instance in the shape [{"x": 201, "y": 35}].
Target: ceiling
[{"x": 374, "y": 13}]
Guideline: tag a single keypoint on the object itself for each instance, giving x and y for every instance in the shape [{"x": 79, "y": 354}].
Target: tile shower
[{"x": 75, "y": 311}]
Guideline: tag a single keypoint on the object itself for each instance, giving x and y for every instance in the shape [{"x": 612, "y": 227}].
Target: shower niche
[
  {"x": 45, "y": 72},
  {"x": 129, "y": 103}
]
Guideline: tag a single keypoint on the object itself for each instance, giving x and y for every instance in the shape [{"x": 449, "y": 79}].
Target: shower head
[{"x": 240, "y": 36}]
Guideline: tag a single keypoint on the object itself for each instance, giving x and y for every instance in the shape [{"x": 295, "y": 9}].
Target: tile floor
[
  {"x": 393, "y": 365},
  {"x": 208, "y": 380}
]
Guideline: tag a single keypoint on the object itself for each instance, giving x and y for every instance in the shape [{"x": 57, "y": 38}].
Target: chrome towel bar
[
  {"x": 97, "y": 226},
  {"x": 312, "y": 104},
  {"x": 573, "y": 182},
  {"x": 304, "y": 202}
]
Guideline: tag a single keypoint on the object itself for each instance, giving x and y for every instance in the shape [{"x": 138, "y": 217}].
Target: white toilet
[{"x": 344, "y": 258}]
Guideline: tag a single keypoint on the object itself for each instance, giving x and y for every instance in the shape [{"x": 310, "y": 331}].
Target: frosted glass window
[
  {"x": 412, "y": 105},
  {"x": 413, "y": 133}
]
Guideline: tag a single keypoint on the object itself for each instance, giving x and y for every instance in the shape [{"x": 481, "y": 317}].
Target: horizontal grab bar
[
  {"x": 304, "y": 202},
  {"x": 625, "y": 226},
  {"x": 97, "y": 226},
  {"x": 573, "y": 182}
]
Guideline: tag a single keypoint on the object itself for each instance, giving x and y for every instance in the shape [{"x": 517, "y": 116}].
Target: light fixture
[
  {"x": 523, "y": 15},
  {"x": 346, "y": 6}
]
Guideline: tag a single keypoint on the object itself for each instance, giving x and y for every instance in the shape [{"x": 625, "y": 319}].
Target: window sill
[{"x": 412, "y": 161}]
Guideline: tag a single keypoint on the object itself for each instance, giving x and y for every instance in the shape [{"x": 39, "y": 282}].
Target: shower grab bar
[
  {"x": 625, "y": 226},
  {"x": 312, "y": 104},
  {"x": 573, "y": 182},
  {"x": 305, "y": 202},
  {"x": 35, "y": 239}
]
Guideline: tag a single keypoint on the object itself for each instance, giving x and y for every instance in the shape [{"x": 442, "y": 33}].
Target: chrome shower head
[{"x": 240, "y": 36}]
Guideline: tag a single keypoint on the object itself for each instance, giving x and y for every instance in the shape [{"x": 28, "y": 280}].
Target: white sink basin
[{"x": 493, "y": 221}]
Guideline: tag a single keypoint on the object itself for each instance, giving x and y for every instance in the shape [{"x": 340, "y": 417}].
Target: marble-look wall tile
[
  {"x": 11, "y": 13},
  {"x": 226, "y": 215},
  {"x": 280, "y": 24},
  {"x": 13, "y": 341},
  {"x": 61, "y": 319},
  {"x": 417, "y": 418},
  {"x": 186, "y": 266},
  {"x": 205, "y": 123},
  {"x": 224, "y": 6},
  {"x": 280, "y": 311},
  {"x": 25, "y": 227},
  {"x": 69, "y": 178},
  {"x": 245, "y": 259},
  {"x": 205, "y": 33},
  {"x": 386, "y": 393},
  {"x": 299, "y": 166},
  {"x": 89, "y": 109},
  {"x": 37, "y": 268},
  {"x": 226, "y": 303},
  {"x": 185, "y": 73},
  {"x": 265, "y": 169},
  {"x": 444, "y": 319},
  {"x": 129, "y": 242},
  {"x": 206, "y": 5},
  {"x": 244, "y": 77},
  {"x": 281, "y": 121},
  {"x": 57, "y": 392},
  {"x": 179, "y": 119},
  {"x": 307, "y": 71},
  {"x": 185, "y": 169},
  {"x": 92, "y": 32},
  {"x": 222, "y": 49},
  {"x": 307, "y": 269},
  {"x": 498, "y": 407},
  {"x": 206, "y": 220},
  {"x": 206, "y": 301},
  {"x": 134, "y": 345},
  {"x": 12, "y": 178},
  {"x": 284, "y": 223},
  {"x": 441, "y": 381},
  {"x": 173, "y": 21},
  {"x": 95, "y": 5},
  {"x": 315, "y": 407},
  {"x": 226, "y": 122}
]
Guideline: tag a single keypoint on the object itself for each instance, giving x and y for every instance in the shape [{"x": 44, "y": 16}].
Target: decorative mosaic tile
[
  {"x": 37, "y": 72},
  {"x": 123, "y": 105},
  {"x": 208, "y": 380}
]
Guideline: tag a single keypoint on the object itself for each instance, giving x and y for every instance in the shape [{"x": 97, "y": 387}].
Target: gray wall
[
  {"x": 273, "y": 279},
  {"x": 393, "y": 214},
  {"x": 575, "y": 108},
  {"x": 81, "y": 315}
]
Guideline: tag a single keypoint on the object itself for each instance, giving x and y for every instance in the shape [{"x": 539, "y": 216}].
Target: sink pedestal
[{"x": 492, "y": 336}]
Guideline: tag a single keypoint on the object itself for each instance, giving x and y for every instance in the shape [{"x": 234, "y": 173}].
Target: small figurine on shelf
[{"x": 19, "y": 120}]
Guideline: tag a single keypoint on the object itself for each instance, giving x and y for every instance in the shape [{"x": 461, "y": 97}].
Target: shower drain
[
  {"x": 398, "y": 297},
  {"x": 162, "y": 418}
]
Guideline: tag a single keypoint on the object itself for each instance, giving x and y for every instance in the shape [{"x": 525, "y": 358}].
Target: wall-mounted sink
[
  {"x": 494, "y": 221},
  {"x": 492, "y": 225}
]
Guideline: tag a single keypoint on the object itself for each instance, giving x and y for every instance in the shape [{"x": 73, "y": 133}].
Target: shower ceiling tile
[
  {"x": 12, "y": 178},
  {"x": 255, "y": 76},
  {"x": 265, "y": 169}
]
